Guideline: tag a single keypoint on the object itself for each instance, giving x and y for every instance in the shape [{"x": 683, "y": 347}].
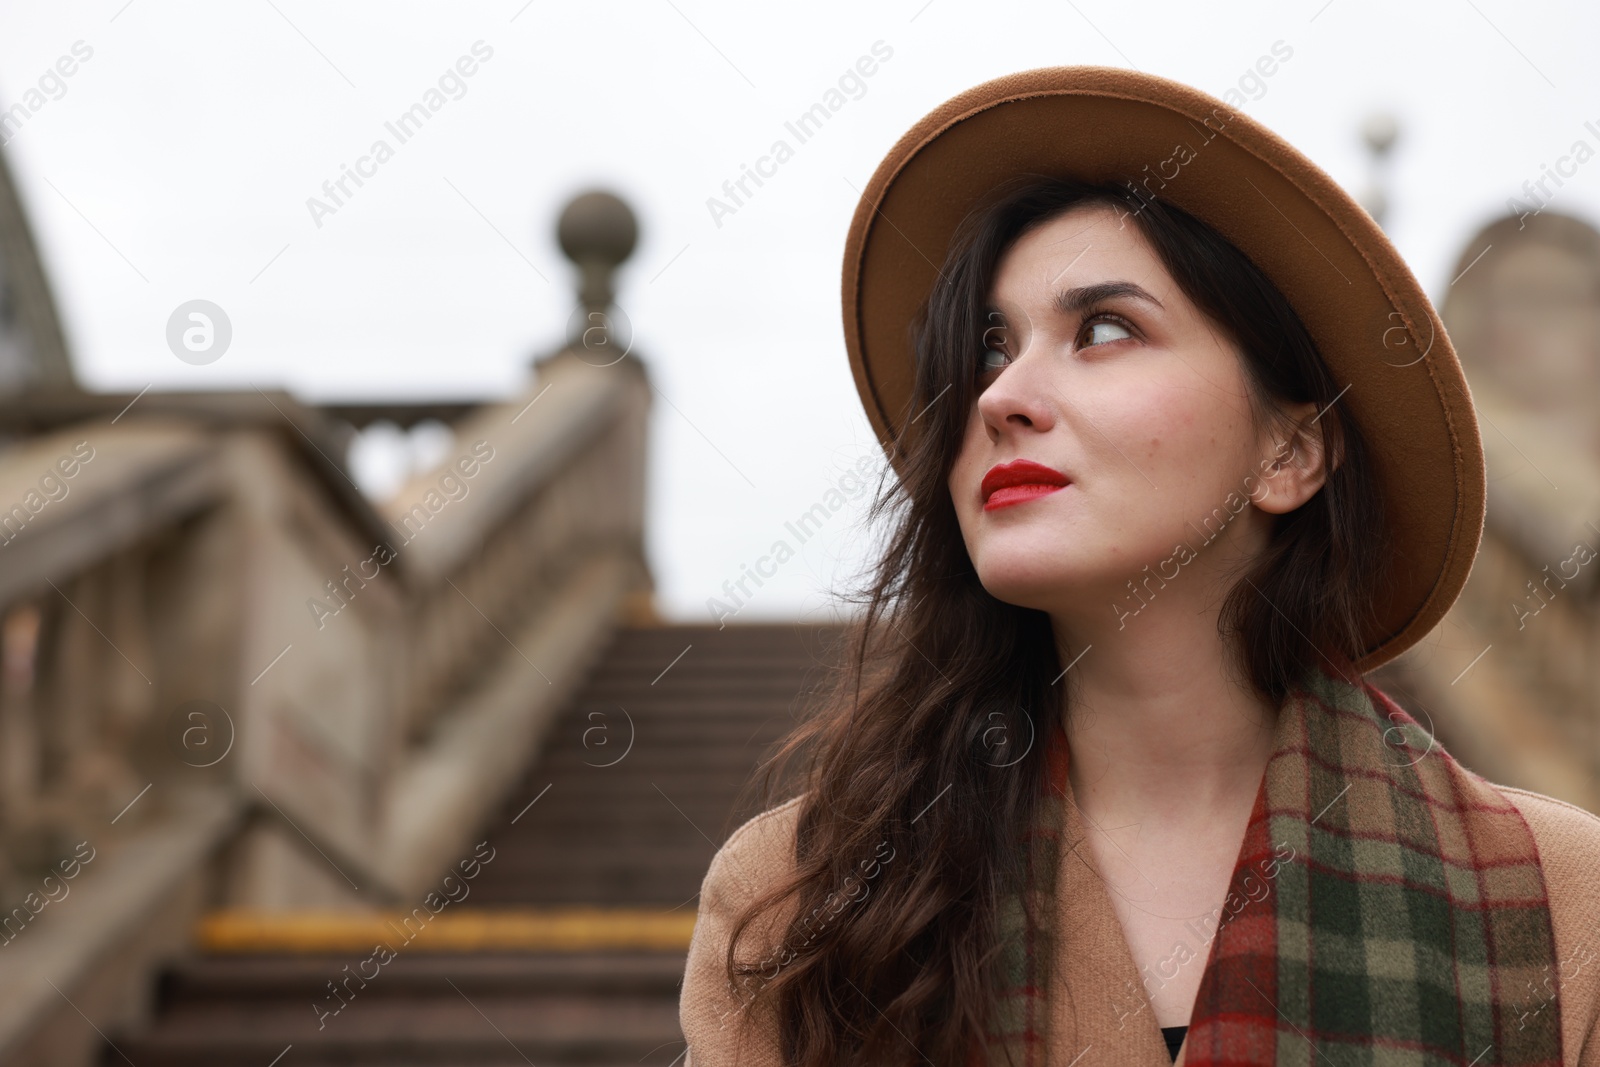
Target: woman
[{"x": 1182, "y": 452}]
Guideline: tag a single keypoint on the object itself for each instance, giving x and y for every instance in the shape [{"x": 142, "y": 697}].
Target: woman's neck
[{"x": 1157, "y": 727}]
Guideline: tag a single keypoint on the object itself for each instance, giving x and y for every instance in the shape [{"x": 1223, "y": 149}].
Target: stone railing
[{"x": 229, "y": 680}]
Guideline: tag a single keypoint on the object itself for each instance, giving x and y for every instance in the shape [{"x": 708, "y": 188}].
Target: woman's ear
[{"x": 1293, "y": 461}]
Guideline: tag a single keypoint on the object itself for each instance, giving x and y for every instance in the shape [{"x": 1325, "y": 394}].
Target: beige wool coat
[{"x": 1093, "y": 1025}]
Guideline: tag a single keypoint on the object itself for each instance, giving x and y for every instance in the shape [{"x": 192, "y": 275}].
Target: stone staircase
[{"x": 610, "y": 831}]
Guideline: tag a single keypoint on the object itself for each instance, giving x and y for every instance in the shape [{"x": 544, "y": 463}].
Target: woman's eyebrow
[{"x": 1072, "y": 301}]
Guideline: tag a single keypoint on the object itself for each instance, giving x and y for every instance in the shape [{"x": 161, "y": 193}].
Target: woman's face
[{"x": 1102, "y": 369}]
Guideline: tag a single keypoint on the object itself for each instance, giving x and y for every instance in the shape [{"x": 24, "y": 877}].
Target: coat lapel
[{"x": 1102, "y": 1015}]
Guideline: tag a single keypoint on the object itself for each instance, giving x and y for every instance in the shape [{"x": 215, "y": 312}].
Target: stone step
[{"x": 637, "y": 834}]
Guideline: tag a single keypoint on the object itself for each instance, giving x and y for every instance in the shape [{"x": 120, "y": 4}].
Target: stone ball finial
[
  {"x": 597, "y": 226},
  {"x": 598, "y": 232},
  {"x": 1380, "y": 131}
]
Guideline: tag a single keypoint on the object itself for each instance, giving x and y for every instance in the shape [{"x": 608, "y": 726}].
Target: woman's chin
[
  {"x": 1047, "y": 581},
  {"x": 1044, "y": 585}
]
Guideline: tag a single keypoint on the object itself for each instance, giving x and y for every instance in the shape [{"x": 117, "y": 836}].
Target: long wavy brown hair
[{"x": 920, "y": 769}]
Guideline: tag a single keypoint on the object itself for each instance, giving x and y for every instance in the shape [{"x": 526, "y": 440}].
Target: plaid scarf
[{"x": 1409, "y": 921}]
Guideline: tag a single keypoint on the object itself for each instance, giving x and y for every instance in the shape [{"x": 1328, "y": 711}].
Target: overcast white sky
[{"x": 177, "y": 160}]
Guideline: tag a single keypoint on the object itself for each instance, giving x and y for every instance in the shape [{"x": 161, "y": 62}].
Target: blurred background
[{"x": 401, "y": 408}]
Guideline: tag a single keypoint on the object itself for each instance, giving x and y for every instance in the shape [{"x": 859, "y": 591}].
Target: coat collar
[{"x": 1101, "y": 1014}]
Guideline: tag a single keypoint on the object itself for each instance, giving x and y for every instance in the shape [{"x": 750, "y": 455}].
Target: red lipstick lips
[{"x": 1019, "y": 481}]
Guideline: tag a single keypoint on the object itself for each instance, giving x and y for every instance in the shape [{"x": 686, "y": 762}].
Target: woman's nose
[{"x": 1022, "y": 395}]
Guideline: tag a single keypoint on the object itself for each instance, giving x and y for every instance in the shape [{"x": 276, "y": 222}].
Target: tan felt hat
[{"x": 1371, "y": 320}]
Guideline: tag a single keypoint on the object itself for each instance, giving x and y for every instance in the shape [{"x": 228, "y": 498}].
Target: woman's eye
[
  {"x": 992, "y": 359},
  {"x": 1097, "y": 335}
]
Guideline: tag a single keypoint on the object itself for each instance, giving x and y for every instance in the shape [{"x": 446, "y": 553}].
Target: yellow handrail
[{"x": 577, "y": 929}]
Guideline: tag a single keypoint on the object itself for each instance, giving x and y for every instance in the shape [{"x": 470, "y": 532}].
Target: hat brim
[{"x": 1371, "y": 320}]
